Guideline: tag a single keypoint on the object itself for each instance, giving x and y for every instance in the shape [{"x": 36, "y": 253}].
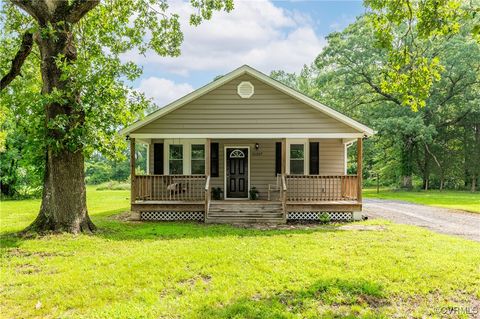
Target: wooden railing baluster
[{"x": 313, "y": 188}]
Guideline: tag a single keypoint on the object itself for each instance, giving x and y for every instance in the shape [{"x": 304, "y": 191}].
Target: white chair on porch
[{"x": 274, "y": 187}]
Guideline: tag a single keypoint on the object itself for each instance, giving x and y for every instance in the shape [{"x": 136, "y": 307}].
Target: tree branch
[
  {"x": 37, "y": 9},
  {"x": 79, "y": 9},
  {"x": 17, "y": 62}
]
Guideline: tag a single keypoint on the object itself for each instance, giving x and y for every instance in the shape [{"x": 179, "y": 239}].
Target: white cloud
[
  {"x": 257, "y": 33},
  {"x": 163, "y": 91}
]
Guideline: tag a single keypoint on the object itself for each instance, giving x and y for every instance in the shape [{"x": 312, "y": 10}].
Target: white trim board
[
  {"x": 187, "y": 154},
  {"x": 250, "y": 135},
  {"x": 225, "y": 171},
  {"x": 245, "y": 69},
  {"x": 306, "y": 156}
]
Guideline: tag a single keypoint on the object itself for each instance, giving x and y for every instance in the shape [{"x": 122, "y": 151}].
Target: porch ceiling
[{"x": 250, "y": 135}]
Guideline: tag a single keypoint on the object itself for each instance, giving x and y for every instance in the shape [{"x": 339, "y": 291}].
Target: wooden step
[
  {"x": 245, "y": 212},
  {"x": 244, "y": 209},
  {"x": 224, "y": 215},
  {"x": 245, "y": 220}
]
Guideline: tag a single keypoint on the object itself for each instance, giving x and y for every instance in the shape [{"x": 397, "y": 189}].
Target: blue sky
[{"x": 266, "y": 34}]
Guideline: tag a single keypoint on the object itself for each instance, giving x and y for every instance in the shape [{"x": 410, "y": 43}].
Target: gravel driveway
[{"x": 441, "y": 220}]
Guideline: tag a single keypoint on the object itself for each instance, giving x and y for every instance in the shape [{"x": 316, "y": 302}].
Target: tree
[
  {"x": 400, "y": 25},
  {"x": 76, "y": 45},
  {"x": 348, "y": 75}
]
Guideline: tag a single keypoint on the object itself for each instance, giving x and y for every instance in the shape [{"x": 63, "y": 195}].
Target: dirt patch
[
  {"x": 27, "y": 269},
  {"x": 206, "y": 279},
  {"x": 295, "y": 226},
  {"x": 17, "y": 252},
  {"x": 122, "y": 217},
  {"x": 363, "y": 227}
]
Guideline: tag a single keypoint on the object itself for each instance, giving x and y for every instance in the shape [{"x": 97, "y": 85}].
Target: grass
[
  {"x": 461, "y": 200},
  {"x": 190, "y": 270}
]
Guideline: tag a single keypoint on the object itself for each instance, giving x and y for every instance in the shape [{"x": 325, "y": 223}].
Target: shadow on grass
[
  {"x": 112, "y": 229},
  {"x": 332, "y": 298},
  {"x": 117, "y": 230},
  {"x": 9, "y": 240}
]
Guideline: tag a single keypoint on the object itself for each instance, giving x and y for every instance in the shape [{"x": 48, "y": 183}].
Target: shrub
[
  {"x": 114, "y": 185},
  {"x": 324, "y": 218}
]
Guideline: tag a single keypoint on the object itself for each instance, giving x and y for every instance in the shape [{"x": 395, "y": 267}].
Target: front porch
[{"x": 282, "y": 197}]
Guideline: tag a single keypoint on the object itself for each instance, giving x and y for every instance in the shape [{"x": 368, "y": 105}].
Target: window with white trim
[
  {"x": 175, "y": 159},
  {"x": 297, "y": 159},
  {"x": 197, "y": 157}
]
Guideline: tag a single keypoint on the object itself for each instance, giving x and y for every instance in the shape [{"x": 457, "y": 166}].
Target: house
[{"x": 211, "y": 151}]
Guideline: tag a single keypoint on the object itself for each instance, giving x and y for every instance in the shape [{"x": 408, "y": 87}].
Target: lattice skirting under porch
[
  {"x": 338, "y": 216},
  {"x": 171, "y": 216}
]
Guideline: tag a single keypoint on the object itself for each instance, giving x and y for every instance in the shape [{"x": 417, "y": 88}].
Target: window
[
  {"x": 297, "y": 159},
  {"x": 175, "y": 159},
  {"x": 198, "y": 159}
]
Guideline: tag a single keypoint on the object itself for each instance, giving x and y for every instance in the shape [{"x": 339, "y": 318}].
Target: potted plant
[
  {"x": 216, "y": 193},
  {"x": 253, "y": 193}
]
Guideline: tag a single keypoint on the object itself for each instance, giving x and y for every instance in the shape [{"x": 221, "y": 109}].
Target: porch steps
[{"x": 246, "y": 212}]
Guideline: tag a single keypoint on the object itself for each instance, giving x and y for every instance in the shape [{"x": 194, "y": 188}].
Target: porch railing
[
  {"x": 312, "y": 188},
  {"x": 170, "y": 187},
  {"x": 207, "y": 196}
]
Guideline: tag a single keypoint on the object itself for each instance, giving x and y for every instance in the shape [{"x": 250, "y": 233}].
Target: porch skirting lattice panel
[
  {"x": 171, "y": 216},
  {"x": 312, "y": 216}
]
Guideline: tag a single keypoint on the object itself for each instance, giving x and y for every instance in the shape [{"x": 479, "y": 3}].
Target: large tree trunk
[
  {"x": 425, "y": 168},
  {"x": 64, "y": 206},
  {"x": 64, "y": 203},
  {"x": 407, "y": 182},
  {"x": 407, "y": 163}
]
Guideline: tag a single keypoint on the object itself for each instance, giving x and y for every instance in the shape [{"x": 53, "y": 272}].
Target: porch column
[
  {"x": 284, "y": 172},
  {"x": 132, "y": 170},
  {"x": 207, "y": 157},
  {"x": 359, "y": 168}
]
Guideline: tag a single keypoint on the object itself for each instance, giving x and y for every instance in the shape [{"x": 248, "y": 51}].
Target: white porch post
[
  {"x": 132, "y": 170},
  {"x": 359, "y": 168},
  {"x": 207, "y": 157}
]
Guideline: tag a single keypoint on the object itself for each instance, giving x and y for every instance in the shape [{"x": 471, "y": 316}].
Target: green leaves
[
  {"x": 94, "y": 84},
  {"x": 400, "y": 26}
]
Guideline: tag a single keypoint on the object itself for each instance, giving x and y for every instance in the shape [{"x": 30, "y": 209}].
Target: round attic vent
[{"x": 245, "y": 89}]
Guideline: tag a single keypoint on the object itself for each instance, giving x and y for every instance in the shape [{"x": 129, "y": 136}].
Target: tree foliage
[
  {"x": 401, "y": 26},
  {"x": 73, "y": 93},
  {"x": 439, "y": 143}
]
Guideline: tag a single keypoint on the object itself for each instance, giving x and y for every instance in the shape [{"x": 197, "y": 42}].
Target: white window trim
[
  {"x": 187, "y": 153},
  {"x": 148, "y": 159},
  {"x": 306, "y": 161}
]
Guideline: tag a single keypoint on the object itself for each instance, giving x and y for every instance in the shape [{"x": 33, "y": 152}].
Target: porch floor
[{"x": 248, "y": 201}]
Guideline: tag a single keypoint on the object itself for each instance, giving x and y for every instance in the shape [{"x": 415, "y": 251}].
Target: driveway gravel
[{"x": 441, "y": 220}]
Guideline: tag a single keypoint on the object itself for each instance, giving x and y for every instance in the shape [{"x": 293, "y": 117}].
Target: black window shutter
[
  {"x": 278, "y": 158},
  {"x": 214, "y": 158},
  {"x": 158, "y": 158},
  {"x": 314, "y": 158}
]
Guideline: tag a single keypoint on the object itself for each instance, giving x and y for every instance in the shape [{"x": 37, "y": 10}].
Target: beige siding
[
  {"x": 332, "y": 157},
  {"x": 223, "y": 111},
  {"x": 262, "y": 162},
  {"x": 262, "y": 170}
]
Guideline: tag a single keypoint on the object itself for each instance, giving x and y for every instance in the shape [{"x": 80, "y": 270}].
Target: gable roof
[{"x": 245, "y": 69}]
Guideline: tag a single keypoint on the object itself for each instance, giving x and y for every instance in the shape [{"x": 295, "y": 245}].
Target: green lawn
[
  {"x": 461, "y": 200},
  {"x": 190, "y": 270}
]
